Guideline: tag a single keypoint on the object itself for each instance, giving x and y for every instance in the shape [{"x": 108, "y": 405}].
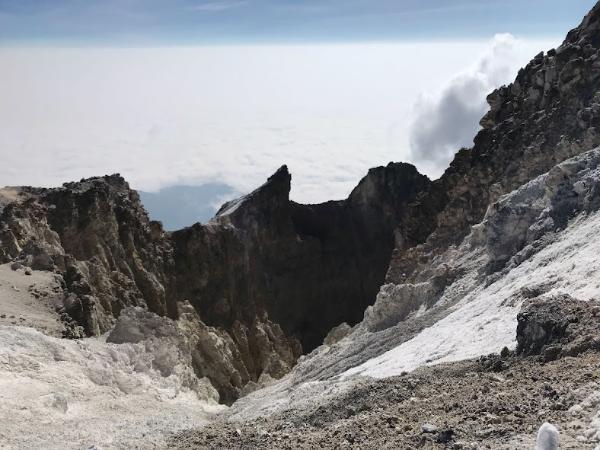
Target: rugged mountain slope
[
  {"x": 550, "y": 113},
  {"x": 534, "y": 325},
  {"x": 545, "y": 230},
  {"x": 267, "y": 277},
  {"x": 498, "y": 255},
  {"x": 511, "y": 258}
]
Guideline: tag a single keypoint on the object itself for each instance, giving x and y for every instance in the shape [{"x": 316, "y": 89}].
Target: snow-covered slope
[
  {"x": 485, "y": 320},
  {"x": 536, "y": 241},
  {"x": 62, "y": 394},
  {"x": 78, "y": 394}
]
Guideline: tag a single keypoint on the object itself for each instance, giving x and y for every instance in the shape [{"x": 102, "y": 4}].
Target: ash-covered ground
[{"x": 487, "y": 403}]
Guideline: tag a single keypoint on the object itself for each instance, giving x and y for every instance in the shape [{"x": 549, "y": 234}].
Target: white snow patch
[
  {"x": 485, "y": 320},
  {"x": 589, "y": 411},
  {"x": 63, "y": 394},
  {"x": 233, "y": 206},
  {"x": 547, "y": 437}
]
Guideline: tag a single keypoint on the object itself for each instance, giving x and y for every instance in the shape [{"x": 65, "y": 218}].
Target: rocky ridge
[
  {"x": 508, "y": 266},
  {"x": 411, "y": 385},
  {"x": 250, "y": 277},
  {"x": 267, "y": 278},
  {"x": 550, "y": 113},
  {"x": 487, "y": 409}
]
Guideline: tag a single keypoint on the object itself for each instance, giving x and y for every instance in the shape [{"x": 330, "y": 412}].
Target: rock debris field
[{"x": 488, "y": 403}]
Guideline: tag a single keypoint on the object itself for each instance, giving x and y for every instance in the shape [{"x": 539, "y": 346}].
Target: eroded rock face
[
  {"x": 264, "y": 281},
  {"x": 558, "y": 326},
  {"x": 278, "y": 275},
  {"x": 550, "y": 113},
  {"x": 515, "y": 228},
  {"x": 98, "y": 236},
  {"x": 267, "y": 278},
  {"x": 309, "y": 267}
]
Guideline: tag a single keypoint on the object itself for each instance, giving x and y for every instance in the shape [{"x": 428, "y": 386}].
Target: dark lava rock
[
  {"x": 445, "y": 436},
  {"x": 558, "y": 326},
  {"x": 273, "y": 275},
  {"x": 550, "y": 113}
]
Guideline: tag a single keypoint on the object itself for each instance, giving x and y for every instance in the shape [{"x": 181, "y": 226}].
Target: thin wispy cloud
[
  {"x": 425, "y": 10},
  {"x": 218, "y": 6}
]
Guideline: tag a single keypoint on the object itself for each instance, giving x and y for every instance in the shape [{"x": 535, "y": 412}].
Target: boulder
[{"x": 558, "y": 326}]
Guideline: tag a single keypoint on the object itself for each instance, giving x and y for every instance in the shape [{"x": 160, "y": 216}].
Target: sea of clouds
[{"x": 232, "y": 115}]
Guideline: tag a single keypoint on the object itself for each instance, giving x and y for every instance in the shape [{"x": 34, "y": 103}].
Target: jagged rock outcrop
[
  {"x": 98, "y": 236},
  {"x": 278, "y": 275},
  {"x": 550, "y": 113},
  {"x": 267, "y": 278},
  {"x": 309, "y": 267},
  {"x": 542, "y": 236},
  {"x": 558, "y": 326}
]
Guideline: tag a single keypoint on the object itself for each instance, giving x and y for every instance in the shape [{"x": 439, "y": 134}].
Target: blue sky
[{"x": 192, "y": 22}]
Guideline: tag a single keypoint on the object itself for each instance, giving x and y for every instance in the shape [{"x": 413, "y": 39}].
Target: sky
[
  {"x": 214, "y": 96},
  {"x": 160, "y": 22}
]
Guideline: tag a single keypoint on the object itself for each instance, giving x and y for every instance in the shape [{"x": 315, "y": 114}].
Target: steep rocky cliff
[
  {"x": 497, "y": 262},
  {"x": 309, "y": 266},
  {"x": 548, "y": 114},
  {"x": 267, "y": 278},
  {"x": 98, "y": 236}
]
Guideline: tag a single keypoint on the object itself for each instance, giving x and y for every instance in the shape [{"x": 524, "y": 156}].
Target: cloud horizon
[{"x": 230, "y": 115}]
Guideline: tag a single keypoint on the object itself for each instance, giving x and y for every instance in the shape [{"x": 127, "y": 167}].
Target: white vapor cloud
[
  {"x": 447, "y": 120},
  {"x": 228, "y": 115}
]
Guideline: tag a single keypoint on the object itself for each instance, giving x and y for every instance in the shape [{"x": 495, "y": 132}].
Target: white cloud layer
[
  {"x": 447, "y": 120},
  {"x": 232, "y": 115}
]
